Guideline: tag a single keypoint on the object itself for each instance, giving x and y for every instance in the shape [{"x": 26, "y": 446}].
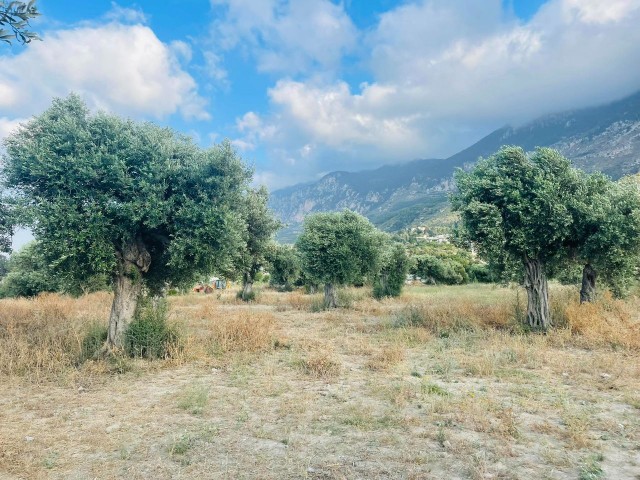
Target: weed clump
[
  {"x": 194, "y": 400},
  {"x": 320, "y": 364},
  {"x": 149, "y": 335}
]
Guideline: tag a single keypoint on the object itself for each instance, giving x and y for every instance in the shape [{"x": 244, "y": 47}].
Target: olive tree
[
  {"x": 260, "y": 226},
  {"x": 606, "y": 233},
  {"x": 516, "y": 208},
  {"x": 140, "y": 203},
  {"x": 339, "y": 249}
]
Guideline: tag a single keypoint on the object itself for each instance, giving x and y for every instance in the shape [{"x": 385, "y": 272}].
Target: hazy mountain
[{"x": 605, "y": 138}]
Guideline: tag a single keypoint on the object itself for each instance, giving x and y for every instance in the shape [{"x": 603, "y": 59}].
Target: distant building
[{"x": 438, "y": 238}]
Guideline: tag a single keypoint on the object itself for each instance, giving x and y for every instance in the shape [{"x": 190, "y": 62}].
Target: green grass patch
[{"x": 194, "y": 400}]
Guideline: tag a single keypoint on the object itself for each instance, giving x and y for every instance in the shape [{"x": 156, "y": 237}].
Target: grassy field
[{"x": 440, "y": 383}]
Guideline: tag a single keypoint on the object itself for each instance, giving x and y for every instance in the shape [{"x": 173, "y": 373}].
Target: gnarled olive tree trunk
[
  {"x": 133, "y": 261},
  {"x": 535, "y": 282},
  {"x": 588, "y": 290},
  {"x": 330, "y": 296}
]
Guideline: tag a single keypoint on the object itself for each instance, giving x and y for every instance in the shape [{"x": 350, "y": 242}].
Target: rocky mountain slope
[{"x": 605, "y": 138}]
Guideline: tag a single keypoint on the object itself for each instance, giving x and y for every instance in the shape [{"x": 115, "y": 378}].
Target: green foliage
[
  {"x": 4, "y": 266},
  {"x": 591, "y": 469},
  {"x": 391, "y": 278},
  {"x": 284, "y": 266},
  {"x": 149, "y": 335},
  {"x": 434, "y": 389},
  {"x": 6, "y": 226},
  {"x": 440, "y": 270},
  {"x": 339, "y": 248},
  {"x": 606, "y": 229},
  {"x": 16, "y": 16},
  {"x": 28, "y": 274},
  {"x": 540, "y": 211},
  {"x": 518, "y": 206},
  {"x": 247, "y": 297},
  {"x": 447, "y": 263},
  {"x": 96, "y": 185},
  {"x": 481, "y": 272},
  {"x": 259, "y": 228}
]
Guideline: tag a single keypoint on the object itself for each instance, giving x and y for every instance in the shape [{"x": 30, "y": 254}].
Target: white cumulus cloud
[
  {"x": 286, "y": 36},
  {"x": 122, "y": 68}
]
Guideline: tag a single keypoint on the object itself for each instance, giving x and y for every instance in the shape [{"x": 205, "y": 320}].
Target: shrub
[
  {"x": 480, "y": 272},
  {"x": 441, "y": 270},
  {"x": 149, "y": 335},
  {"x": 390, "y": 280}
]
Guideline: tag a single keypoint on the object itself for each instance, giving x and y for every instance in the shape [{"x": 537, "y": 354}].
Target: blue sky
[{"x": 304, "y": 87}]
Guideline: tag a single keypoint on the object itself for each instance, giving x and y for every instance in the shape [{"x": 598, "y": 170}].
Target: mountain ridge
[{"x": 604, "y": 138}]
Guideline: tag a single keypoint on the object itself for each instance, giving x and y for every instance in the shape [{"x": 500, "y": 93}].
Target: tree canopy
[
  {"x": 284, "y": 266},
  {"x": 27, "y": 274},
  {"x": 138, "y": 202}
]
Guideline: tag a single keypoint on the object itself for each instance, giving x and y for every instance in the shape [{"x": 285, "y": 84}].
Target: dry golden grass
[
  {"x": 456, "y": 314},
  {"x": 242, "y": 332},
  {"x": 42, "y": 337},
  {"x": 387, "y": 357},
  {"x": 605, "y": 322},
  {"x": 320, "y": 363},
  {"x": 439, "y": 383}
]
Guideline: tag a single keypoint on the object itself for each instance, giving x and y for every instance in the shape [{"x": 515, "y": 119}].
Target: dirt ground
[{"x": 351, "y": 393}]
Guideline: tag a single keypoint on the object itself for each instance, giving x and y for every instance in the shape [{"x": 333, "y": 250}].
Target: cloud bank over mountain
[{"x": 443, "y": 73}]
